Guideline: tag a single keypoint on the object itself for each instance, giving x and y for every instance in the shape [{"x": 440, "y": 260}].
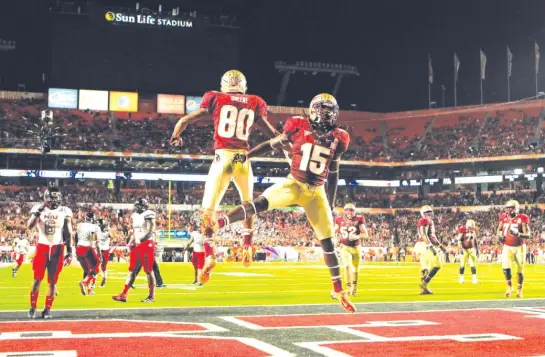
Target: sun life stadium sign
[{"x": 152, "y": 20}]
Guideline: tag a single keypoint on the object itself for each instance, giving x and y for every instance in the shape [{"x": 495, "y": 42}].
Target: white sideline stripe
[
  {"x": 285, "y": 305},
  {"x": 208, "y": 326},
  {"x": 365, "y": 335},
  {"x": 40, "y": 354},
  {"x": 17, "y": 335}
]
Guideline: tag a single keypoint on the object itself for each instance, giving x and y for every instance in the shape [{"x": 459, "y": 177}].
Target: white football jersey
[
  {"x": 85, "y": 233},
  {"x": 21, "y": 245},
  {"x": 139, "y": 225},
  {"x": 104, "y": 240},
  {"x": 50, "y": 224},
  {"x": 198, "y": 241}
]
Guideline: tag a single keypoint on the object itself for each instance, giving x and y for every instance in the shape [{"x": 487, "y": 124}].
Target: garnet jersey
[
  {"x": 512, "y": 225},
  {"x": 234, "y": 115},
  {"x": 21, "y": 245},
  {"x": 50, "y": 224},
  {"x": 349, "y": 230},
  {"x": 85, "y": 233},
  {"x": 468, "y": 238},
  {"x": 312, "y": 153},
  {"x": 429, "y": 228},
  {"x": 139, "y": 225}
]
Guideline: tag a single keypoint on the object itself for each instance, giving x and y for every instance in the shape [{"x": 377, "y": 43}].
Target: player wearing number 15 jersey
[
  {"x": 316, "y": 147},
  {"x": 234, "y": 112},
  {"x": 351, "y": 229}
]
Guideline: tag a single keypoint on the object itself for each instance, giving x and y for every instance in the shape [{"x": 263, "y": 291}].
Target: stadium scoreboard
[{"x": 109, "y": 49}]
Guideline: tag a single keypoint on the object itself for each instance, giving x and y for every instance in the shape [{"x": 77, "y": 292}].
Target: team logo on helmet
[
  {"x": 323, "y": 110},
  {"x": 233, "y": 81}
]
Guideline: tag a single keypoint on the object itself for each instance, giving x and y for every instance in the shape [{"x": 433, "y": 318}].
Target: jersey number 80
[{"x": 235, "y": 122}]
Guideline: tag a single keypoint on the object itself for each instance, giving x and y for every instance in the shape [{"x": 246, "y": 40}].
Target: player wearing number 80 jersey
[
  {"x": 316, "y": 147},
  {"x": 234, "y": 114}
]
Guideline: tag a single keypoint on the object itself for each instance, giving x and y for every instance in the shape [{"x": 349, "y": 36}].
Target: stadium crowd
[{"x": 461, "y": 136}]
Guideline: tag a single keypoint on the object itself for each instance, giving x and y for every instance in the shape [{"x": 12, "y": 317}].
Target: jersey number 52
[{"x": 235, "y": 122}]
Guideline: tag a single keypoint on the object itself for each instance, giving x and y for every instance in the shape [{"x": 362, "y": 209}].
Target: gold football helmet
[
  {"x": 349, "y": 210},
  {"x": 471, "y": 225},
  {"x": 323, "y": 110},
  {"x": 233, "y": 81},
  {"x": 512, "y": 207},
  {"x": 426, "y": 211}
]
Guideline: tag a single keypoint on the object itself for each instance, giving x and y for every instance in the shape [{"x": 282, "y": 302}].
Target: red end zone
[
  {"x": 482, "y": 333},
  {"x": 125, "y": 338}
]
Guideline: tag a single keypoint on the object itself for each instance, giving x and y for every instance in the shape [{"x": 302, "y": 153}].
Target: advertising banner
[
  {"x": 148, "y": 20},
  {"x": 173, "y": 234},
  {"x": 170, "y": 104},
  {"x": 93, "y": 99},
  {"x": 62, "y": 98},
  {"x": 123, "y": 101},
  {"x": 192, "y": 103}
]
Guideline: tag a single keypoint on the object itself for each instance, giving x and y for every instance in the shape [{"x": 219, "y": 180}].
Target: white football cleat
[
  {"x": 461, "y": 280},
  {"x": 474, "y": 280}
]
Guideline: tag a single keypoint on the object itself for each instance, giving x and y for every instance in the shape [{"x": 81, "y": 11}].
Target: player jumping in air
[
  {"x": 54, "y": 224},
  {"x": 20, "y": 248},
  {"x": 351, "y": 230},
  {"x": 467, "y": 244},
  {"x": 427, "y": 247},
  {"x": 234, "y": 113},
  {"x": 143, "y": 249},
  {"x": 512, "y": 231},
  {"x": 86, "y": 240},
  {"x": 317, "y": 146}
]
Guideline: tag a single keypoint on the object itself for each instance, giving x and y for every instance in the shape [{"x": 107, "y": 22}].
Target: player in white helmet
[
  {"x": 86, "y": 242},
  {"x": 20, "y": 249}
]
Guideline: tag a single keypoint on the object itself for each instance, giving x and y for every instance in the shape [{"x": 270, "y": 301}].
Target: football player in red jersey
[
  {"x": 351, "y": 230},
  {"x": 234, "y": 113},
  {"x": 467, "y": 244},
  {"x": 512, "y": 231},
  {"x": 54, "y": 223},
  {"x": 427, "y": 248},
  {"x": 317, "y": 146}
]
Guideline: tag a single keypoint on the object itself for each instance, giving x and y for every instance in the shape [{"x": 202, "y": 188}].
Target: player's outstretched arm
[
  {"x": 183, "y": 122},
  {"x": 280, "y": 141},
  {"x": 333, "y": 180},
  {"x": 268, "y": 129}
]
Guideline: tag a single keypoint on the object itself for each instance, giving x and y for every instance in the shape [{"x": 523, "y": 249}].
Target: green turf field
[{"x": 268, "y": 284}]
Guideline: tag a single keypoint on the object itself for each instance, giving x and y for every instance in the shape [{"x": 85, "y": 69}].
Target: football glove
[
  {"x": 67, "y": 260},
  {"x": 40, "y": 209},
  {"x": 176, "y": 141}
]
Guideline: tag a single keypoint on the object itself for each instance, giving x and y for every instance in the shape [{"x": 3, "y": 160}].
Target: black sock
[
  {"x": 462, "y": 270},
  {"x": 431, "y": 274},
  {"x": 332, "y": 262},
  {"x": 521, "y": 278},
  {"x": 507, "y": 273},
  {"x": 473, "y": 270}
]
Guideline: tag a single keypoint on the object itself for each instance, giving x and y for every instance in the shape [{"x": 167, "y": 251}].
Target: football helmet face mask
[
  {"x": 53, "y": 197},
  {"x": 233, "y": 81},
  {"x": 323, "y": 111},
  {"x": 141, "y": 205},
  {"x": 512, "y": 208},
  {"x": 349, "y": 211},
  {"x": 426, "y": 212},
  {"x": 103, "y": 224},
  {"x": 90, "y": 217}
]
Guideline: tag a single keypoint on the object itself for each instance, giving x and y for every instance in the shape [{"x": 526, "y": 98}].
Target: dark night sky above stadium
[{"x": 388, "y": 41}]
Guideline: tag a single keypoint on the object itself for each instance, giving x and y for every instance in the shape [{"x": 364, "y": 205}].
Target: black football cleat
[
  {"x": 103, "y": 283},
  {"x": 162, "y": 286},
  {"x": 46, "y": 314},
  {"x": 32, "y": 313}
]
